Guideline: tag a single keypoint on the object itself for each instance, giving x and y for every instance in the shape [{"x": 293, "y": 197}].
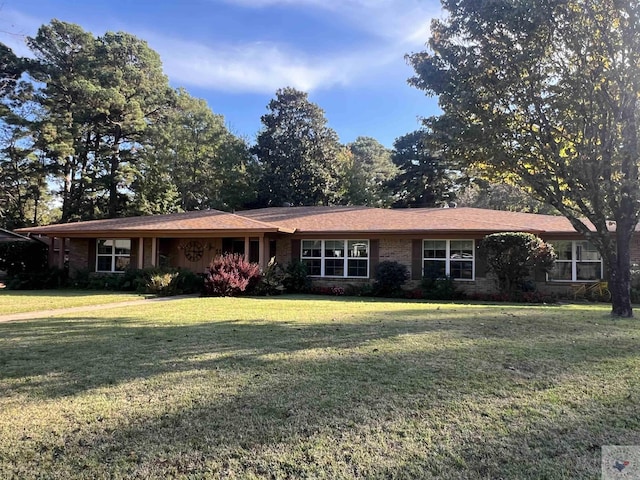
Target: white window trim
[
  {"x": 112, "y": 255},
  {"x": 346, "y": 257},
  {"x": 448, "y": 258},
  {"x": 574, "y": 265}
]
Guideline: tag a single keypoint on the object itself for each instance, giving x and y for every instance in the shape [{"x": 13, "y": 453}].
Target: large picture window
[
  {"x": 113, "y": 254},
  {"x": 448, "y": 258},
  {"x": 578, "y": 260},
  {"x": 336, "y": 258}
]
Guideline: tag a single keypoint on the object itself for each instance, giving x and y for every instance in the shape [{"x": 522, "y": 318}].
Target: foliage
[
  {"x": 424, "y": 178},
  {"x": 364, "y": 169},
  {"x": 272, "y": 279},
  {"x": 47, "y": 278},
  {"x": 97, "y": 96},
  {"x": 231, "y": 275},
  {"x": 440, "y": 289},
  {"x": 296, "y": 278},
  {"x": 390, "y": 276},
  {"x": 23, "y": 256},
  {"x": 545, "y": 95},
  {"x": 156, "y": 280},
  {"x": 190, "y": 161},
  {"x": 501, "y": 196},
  {"x": 512, "y": 256},
  {"x": 296, "y": 150}
]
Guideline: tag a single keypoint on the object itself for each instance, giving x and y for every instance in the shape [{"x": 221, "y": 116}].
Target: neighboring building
[{"x": 339, "y": 245}]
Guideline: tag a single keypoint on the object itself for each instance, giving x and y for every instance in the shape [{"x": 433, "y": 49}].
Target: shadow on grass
[{"x": 471, "y": 399}]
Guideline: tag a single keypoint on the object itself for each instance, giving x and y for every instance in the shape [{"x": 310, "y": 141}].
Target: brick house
[{"x": 340, "y": 245}]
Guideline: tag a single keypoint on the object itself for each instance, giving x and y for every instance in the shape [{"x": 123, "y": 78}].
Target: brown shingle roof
[
  {"x": 318, "y": 220},
  {"x": 197, "y": 221}
]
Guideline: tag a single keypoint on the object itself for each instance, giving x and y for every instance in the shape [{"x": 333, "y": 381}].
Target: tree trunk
[{"x": 620, "y": 275}]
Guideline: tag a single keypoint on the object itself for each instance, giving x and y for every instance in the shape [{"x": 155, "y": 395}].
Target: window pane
[
  {"x": 562, "y": 249},
  {"x": 585, "y": 252},
  {"x": 334, "y": 248},
  {"x": 435, "y": 249},
  {"x": 313, "y": 267},
  {"x": 462, "y": 270},
  {"x": 105, "y": 247},
  {"x": 357, "y": 268},
  {"x": 461, "y": 248},
  {"x": 561, "y": 271},
  {"x": 589, "y": 271},
  {"x": 435, "y": 269},
  {"x": 122, "y": 263},
  {"x": 312, "y": 248},
  {"x": 334, "y": 268},
  {"x": 104, "y": 264},
  {"x": 358, "y": 248},
  {"x": 123, "y": 246}
]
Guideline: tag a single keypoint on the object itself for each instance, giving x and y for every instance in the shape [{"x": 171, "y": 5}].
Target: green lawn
[
  {"x": 314, "y": 387},
  {"x": 21, "y": 301}
]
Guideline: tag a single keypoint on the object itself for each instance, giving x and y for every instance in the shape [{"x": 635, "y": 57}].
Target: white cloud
[
  {"x": 402, "y": 21},
  {"x": 258, "y": 67},
  {"x": 393, "y": 27}
]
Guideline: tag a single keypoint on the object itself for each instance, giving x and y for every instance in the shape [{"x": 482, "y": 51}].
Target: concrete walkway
[{"x": 86, "y": 308}]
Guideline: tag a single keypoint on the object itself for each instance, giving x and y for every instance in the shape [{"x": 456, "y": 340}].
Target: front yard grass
[
  {"x": 302, "y": 387},
  {"x": 21, "y": 301}
]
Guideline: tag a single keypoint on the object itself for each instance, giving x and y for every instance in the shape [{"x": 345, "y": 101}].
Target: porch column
[
  {"x": 141, "y": 253},
  {"x": 154, "y": 251},
  {"x": 261, "y": 259},
  {"x": 52, "y": 253},
  {"x": 61, "y": 253},
  {"x": 246, "y": 248}
]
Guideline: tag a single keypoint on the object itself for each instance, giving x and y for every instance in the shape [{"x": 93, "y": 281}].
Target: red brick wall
[{"x": 79, "y": 255}]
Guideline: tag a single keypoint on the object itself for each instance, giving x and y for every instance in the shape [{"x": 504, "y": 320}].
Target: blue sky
[{"x": 347, "y": 54}]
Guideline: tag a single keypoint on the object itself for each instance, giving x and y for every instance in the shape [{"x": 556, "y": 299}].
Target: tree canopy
[
  {"x": 545, "y": 94},
  {"x": 424, "y": 179},
  {"x": 297, "y": 151}
]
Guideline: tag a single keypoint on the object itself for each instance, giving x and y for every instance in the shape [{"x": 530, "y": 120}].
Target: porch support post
[
  {"x": 246, "y": 248},
  {"x": 141, "y": 253},
  {"x": 154, "y": 251},
  {"x": 261, "y": 259},
  {"x": 52, "y": 253},
  {"x": 61, "y": 253}
]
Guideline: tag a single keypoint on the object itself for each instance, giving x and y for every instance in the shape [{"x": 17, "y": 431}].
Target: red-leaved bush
[{"x": 230, "y": 275}]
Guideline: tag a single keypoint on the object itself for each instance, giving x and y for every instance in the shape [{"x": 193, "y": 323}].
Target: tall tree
[
  {"x": 190, "y": 161},
  {"x": 364, "y": 173},
  {"x": 547, "y": 92},
  {"x": 480, "y": 193},
  {"x": 424, "y": 180},
  {"x": 99, "y": 95},
  {"x": 296, "y": 150}
]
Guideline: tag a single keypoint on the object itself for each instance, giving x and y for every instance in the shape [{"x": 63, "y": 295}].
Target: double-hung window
[
  {"x": 336, "y": 258},
  {"x": 448, "y": 258},
  {"x": 578, "y": 260},
  {"x": 113, "y": 254}
]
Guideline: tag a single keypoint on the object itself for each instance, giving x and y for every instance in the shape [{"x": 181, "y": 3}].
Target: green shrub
[
  {"x": 296, "y": 279},
  {"x": 271, "y": 281},
  {"x": 512, "y": 256},
  {"x": 389, "y": 278},
  {"x": 440, "y": 289},
  {"x": 162, "y": 284},
  {"x": 48, "y": 278}
]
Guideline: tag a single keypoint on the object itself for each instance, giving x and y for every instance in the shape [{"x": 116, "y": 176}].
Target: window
[
  {"x": 113, "y": 255},
  {"x": 448, "y": 258},
  {"x": 336, "y": 258},
  {"x": 578, "y": 260}
]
